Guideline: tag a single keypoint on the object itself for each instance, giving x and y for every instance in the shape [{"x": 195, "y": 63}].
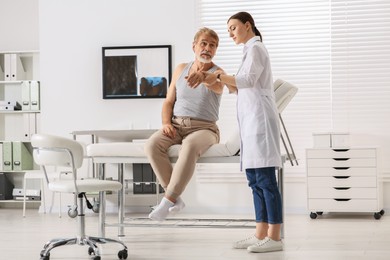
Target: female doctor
[{"x": 259, "y": 130}]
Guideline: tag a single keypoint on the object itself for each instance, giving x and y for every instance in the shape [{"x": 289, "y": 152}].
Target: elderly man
[{"x": 189, "y": 116}]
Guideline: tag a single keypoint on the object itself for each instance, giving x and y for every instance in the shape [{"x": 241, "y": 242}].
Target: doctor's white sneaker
[
  {"x": 266, "y": 245},
  {"x": 243, "y": 244}
]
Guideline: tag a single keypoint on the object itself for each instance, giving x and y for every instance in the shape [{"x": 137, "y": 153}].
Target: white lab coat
[{"x": 256, "y": 109}]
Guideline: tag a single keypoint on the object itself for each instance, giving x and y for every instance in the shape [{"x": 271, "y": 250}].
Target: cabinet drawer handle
[
  {"x": 340, "y": 150},
  {"x": 342, "y": 199},
  {"x": 341, "y": 168},
  {"x": 341, "y": 188},
  {"x": 341, "y": 177},
  {"x": 341, "y": 159}
]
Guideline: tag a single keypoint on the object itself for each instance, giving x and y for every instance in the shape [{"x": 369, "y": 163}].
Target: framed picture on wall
[{"x": 136, "y": 71}]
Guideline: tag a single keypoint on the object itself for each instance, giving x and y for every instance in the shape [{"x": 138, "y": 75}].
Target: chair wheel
[
  {"x": 43, "y": 257},
  {"x": 46, "y": 257},
  {"x": 122, "y": 254},
  {"x": 90, "y": 251},
  {"x": 72, "y": 213},
  {"x": 95, "y": 207}
]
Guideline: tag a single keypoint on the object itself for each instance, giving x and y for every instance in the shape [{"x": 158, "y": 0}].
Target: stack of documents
[{"x": 10, "y": 105}]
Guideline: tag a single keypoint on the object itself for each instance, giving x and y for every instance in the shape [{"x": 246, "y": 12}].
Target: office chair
[
  {"x": 284, "y": 92},
  {"x": 57, "y": 151}
]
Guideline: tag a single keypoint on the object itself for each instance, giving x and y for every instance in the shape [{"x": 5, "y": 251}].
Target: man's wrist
[{"x": 219, "y": 77}]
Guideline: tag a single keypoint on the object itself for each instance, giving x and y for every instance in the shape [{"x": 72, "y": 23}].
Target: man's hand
[
  {"x": 195, "y": 79},
  {"x": 169, "y": 130}
]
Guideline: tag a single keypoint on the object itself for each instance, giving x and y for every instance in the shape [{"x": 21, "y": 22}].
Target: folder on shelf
[
  {"x": 7, "y": 156},
  {"x": 25, "y": 88},
  {"x": 7, "y": 67},
  {"x": 34, "y": 95},
  {"x": 29, "y": 126},
  {"x": 22, "y": 157},
  {"x": 13, "y": 67},
  {"x": 10, "y": 105},
  {"x": 7, "y": 108}
]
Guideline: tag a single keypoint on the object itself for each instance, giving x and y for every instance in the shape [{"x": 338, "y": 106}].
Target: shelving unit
[{"x": 19, "y": 82}]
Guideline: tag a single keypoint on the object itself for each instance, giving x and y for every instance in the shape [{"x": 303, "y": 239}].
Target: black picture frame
[{"x": 136, "y": 71}]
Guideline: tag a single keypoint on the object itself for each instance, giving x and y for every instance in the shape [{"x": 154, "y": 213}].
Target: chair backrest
[
  {"x": 284, "y": 92},
  {"x": 50, "y": 150}
]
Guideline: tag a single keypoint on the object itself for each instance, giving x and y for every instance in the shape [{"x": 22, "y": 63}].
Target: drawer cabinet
[{"x": 343, "y": 180}]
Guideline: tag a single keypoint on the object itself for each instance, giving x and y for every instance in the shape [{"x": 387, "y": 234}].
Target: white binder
[
  {"x": 9, "y": 103},
  {"x": 25, "y": 95},
  {"x": 34, "y": 95},
  {"x": 7, "y": 108},
  {"x": 7, "y": 67},
  {"x": 17, "y": 69}
]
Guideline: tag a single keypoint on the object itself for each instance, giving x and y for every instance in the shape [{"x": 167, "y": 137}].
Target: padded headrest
[{"x": 284, "y": 92}]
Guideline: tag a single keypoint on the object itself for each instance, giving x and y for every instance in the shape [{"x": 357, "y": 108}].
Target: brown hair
[
  {"x": 246, "y": 17},
  {"x": 207, "y": 31}
]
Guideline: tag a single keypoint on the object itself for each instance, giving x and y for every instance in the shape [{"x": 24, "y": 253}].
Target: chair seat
[{"x": 86, "y": 185}]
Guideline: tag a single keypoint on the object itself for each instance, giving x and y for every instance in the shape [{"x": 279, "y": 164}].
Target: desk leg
[
  {"x": 102, "y": 203},
  {"x": 121, "y": 202},
  {"x": 280, "y": 186}
]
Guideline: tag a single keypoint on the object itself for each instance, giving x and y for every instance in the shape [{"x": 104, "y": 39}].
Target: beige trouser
[{"x": 196, "y": 137}]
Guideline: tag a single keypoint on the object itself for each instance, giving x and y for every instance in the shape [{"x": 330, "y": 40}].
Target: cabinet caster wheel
[
  {"x": 319, "y": 213},
  {"x": 96, "y": 257},
  {"x": 313, "y": 215},
  {"x": 377, "y": 215},
  {"x": 122, "y": 254},
  {"x": 382, "y": 212}
]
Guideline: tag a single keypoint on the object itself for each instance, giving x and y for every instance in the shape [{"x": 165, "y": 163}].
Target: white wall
[
  {"x": 72, "y": 34},
  {"x": 19, "y": 25}
]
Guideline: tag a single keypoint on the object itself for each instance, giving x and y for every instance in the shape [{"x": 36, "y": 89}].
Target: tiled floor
[{"x": 329, "y": 237}]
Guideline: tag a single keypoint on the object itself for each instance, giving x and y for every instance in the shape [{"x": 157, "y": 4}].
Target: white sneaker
[
  {"x": 243, "y": 244},
  {"x": 266, "y": 245}
]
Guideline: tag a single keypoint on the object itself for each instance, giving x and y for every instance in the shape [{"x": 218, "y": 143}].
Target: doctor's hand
[
  {"x": 169, "y": 130},
  {"x": 194, "y": 79}
]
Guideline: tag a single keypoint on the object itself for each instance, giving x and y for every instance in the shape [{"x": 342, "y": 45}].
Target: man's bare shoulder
[{"x": 181, "y": 66}]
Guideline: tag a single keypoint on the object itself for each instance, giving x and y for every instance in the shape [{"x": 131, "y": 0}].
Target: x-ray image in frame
[{"x": 136, "y": 71}]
